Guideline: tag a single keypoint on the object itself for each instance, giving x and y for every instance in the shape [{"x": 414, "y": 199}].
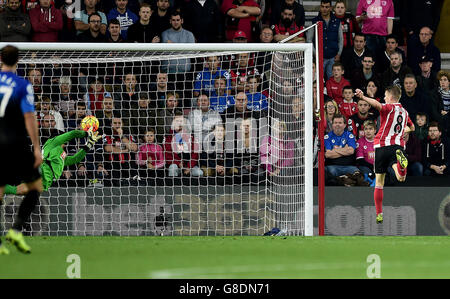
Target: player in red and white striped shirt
[{"x": 389, "y": 142}]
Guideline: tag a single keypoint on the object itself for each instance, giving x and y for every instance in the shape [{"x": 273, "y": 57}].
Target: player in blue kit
[{"x": 19, "y": 163}]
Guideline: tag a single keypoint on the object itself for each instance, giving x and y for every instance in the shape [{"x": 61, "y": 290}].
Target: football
[{"x": 88, "y": 122}]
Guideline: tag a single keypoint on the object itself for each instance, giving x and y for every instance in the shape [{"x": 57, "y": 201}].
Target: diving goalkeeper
[{"x": 55, "y": 158}]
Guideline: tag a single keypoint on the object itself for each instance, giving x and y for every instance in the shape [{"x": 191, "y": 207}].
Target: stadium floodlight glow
[{"x": 284, "y": 201}]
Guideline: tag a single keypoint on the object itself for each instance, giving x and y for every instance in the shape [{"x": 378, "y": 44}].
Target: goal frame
[{"x": 307, "y": 48}]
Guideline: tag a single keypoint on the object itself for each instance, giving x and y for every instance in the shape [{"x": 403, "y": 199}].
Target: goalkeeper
[{"x": 55, "y": 158}]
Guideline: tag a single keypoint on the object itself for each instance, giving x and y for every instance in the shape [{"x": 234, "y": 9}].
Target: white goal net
[{"x": 198, "y": 139}]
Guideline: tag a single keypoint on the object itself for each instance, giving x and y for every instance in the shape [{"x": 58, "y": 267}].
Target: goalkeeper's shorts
[{"x": 17, "y": 165}]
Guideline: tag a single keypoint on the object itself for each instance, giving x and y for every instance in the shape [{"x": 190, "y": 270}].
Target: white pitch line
[{"x": 220, "y": 271}]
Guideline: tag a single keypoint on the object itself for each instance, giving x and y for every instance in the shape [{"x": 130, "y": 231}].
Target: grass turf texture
[{"x": 230, "y": 257}]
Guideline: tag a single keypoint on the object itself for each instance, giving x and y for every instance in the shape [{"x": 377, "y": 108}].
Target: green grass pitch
[{"x": 230, "y": 257}]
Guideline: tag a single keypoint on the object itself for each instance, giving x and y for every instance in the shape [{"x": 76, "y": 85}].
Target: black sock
[{"x": 26, "y": 208}]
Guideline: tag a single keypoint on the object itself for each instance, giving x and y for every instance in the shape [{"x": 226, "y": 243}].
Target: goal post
[{"x": 278, "y": 194}]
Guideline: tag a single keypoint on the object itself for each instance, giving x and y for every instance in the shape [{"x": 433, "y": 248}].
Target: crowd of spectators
[{"x": 152, "y": 113}]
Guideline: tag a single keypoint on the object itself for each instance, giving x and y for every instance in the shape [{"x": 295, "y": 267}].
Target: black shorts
[
  {"x": 17, "y": 165},
  {"x": 385, "y": 157}
]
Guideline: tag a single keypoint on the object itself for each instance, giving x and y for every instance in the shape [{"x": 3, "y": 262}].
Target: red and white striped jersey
[{"x": 394, "y": 119}]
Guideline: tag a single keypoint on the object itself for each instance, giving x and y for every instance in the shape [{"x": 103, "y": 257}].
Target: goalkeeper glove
[{"x": 93, "y": 137}]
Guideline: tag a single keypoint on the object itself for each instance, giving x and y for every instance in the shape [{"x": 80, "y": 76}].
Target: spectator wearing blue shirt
[
  {"x": 205, "y": 79},
  {"x": 256, "y": 100},
  {"x": 220, "y": 100},
  {"x": 125, "y": 16},
  {"x": 340, "y": 146}
]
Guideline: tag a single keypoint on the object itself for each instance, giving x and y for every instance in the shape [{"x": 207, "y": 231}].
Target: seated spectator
[
  {"x": 214, "y": 159},
  {"x": 241, "y": 68},
  {"x": 351, "y": 58},
  {"x": 220, "y": 100},
  {"x": 80, "y": 112},
  {"x": 143, "y": 31},
  {"x": 159, "y": 90},
  {"x": 240, "y": 37},
  {"x": 383, "y": 58},
  {"x": 119, "y": 148},
  {"x": 204, "y": 80},
  {"x": 421, "y": 126},
  {"x": 377, "y": 21},
  {"x": 125, "y": 16},
  {"x": 81, "y": 20},
  {"x": 257, "y": 101},
  {"x": 240, "y": 109},
  {"x": 47, "y": 128},
  {"x": 427, "y": 79},
  {"x": 395, "y": 74},
  {"x": 34, "y": 75},
  {"x": 142, "y": 117},
  {"x": 164, "y": 117},
  {"x": 93, "y": 34},
  {"x": 113, "y": 34},
  {"x": 436, "y": 154},
  {"x": 64, "y": 99},
  {"x": 336, "y": 83},
  {"x": 204, "y": 20},
  {"x": 202, "y": 119},
  {"x": 266, "y": 35},
  {"x": 161, "y": 18},
  {"x": 15, "y": 26},
  {"x": 373, "y": 91},
  {"x": 331, "y": 109},
  {"x": 128, "y": 93},
  {"x": 177, "y": 34},
  {"x": 240, "y": 15},
  {"x": 95, "y": 94},
  {"x": 294, "y": 119},
  {"x": 414, "y": 153},
  {"x": 181, "y": 151},
  {"x": 246, "y": 154},
  {"x": 348, "y": 106},
  {"x": 46, "y": 22},
  {"x": 340, "y": 146},
  {"x": 440, "y": 107},
  {"x": 278, "y": 6},
  {"x": 287, "y": 27},
  {"x": 348, "y": 22},
  {"x": 150, "y": 157},
  {"x": 360, "y": 77},
  {"x": 277, "y": 151},
  {"x": 365, "y": 151},
  {"x": 356, "y": 121},
  {"x": 106, "y": 114},
  {"x": 423, "y": 47},
  {"x": 413, "y": 99},
  {"x": 45, "y": 107}
]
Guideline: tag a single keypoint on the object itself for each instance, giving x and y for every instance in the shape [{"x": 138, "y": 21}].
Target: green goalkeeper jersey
[{"x": 55, "y": 159}]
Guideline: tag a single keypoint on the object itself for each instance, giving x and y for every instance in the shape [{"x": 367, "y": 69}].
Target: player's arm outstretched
[
  {"x": 92, "y": 138},
  {"x": 70, "y": 160},
  {"x": 372, "y": 102}
]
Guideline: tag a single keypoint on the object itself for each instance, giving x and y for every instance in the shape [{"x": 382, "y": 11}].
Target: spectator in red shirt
[
  {"x": 240, "y": 15},
  {"x": 120, "y": 149},
  {"x": 287, "y": 26},
  {"x": 46, "y": 21},
  {"x": 348, "y": 107},
  {"x": 336, "y": 83}
]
